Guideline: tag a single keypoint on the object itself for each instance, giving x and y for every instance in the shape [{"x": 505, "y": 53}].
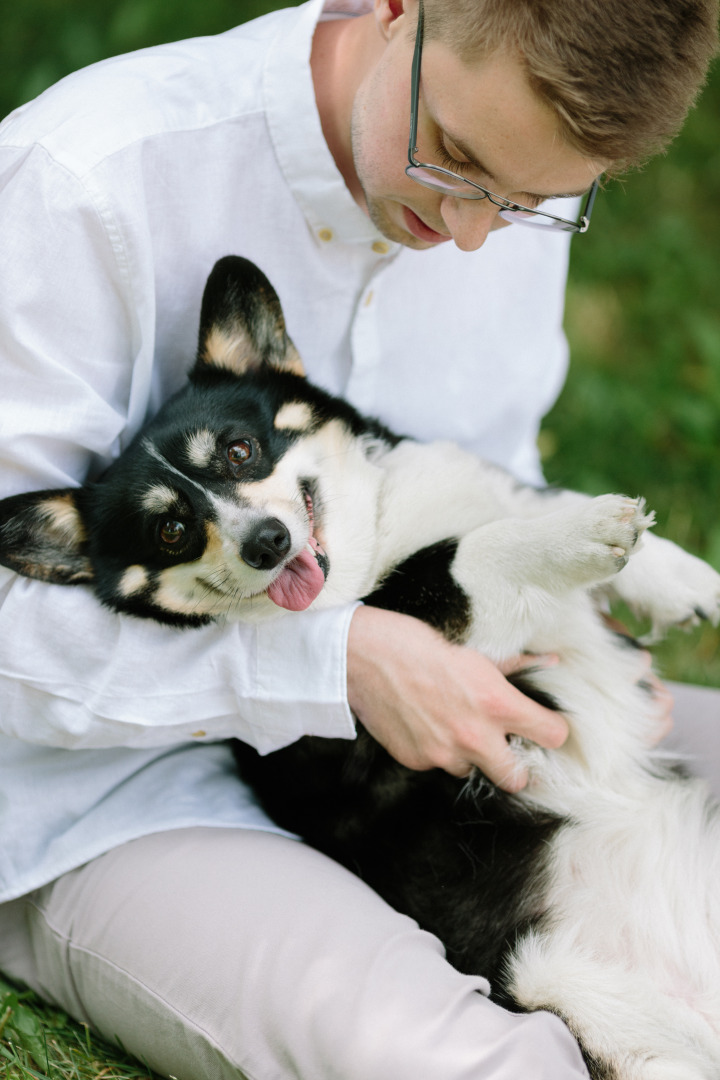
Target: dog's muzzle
[
  {"x": 266, "y": 545},
  {"x": 300, "y": 580}
]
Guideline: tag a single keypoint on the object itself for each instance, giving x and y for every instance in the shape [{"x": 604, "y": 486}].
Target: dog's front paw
[
  {"x": 670, "y": 587},
  {"x": 618, "y": 522},
  {"x": 603, "y": 535}
]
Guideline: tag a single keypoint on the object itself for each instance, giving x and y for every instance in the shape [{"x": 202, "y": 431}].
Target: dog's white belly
[{"x": 629, "y": 955}]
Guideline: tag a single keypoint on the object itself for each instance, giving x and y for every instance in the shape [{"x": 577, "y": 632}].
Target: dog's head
[{"x": 217, "y": 507}]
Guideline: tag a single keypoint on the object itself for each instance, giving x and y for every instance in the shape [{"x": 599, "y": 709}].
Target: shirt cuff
[{"x": 301, "y": 686}]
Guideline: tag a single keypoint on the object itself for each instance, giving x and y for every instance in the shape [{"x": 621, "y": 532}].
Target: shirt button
[
  {"x": 381, "y": 247},
  {"x": 325, "y": 235}
]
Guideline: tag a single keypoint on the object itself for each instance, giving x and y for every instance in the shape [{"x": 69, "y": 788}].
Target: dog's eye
[
  {"x": 171, "y": 532},
  {"x": 241, "y": 452}
]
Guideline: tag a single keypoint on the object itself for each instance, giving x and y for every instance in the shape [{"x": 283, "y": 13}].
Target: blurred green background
[{"x": 641, "y": 409}]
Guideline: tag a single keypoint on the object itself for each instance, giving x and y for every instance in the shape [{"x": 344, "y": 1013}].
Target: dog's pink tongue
[{"x": 299, "y": 583}]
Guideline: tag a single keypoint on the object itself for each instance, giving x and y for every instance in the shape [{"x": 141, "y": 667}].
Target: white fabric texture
[{"x": 119, "y": 189}]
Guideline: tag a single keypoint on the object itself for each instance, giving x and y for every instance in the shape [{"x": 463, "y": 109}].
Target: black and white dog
[{"x": 595, "y": 893}]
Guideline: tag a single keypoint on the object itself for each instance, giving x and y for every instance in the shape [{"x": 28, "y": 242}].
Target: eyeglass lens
[{"x": 445, "y": 184}]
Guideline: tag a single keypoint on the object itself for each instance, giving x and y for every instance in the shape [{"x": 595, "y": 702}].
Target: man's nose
[{"x": 469, "y": 220}]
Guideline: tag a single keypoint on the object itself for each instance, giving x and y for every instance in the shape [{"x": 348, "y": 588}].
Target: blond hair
[{"x": 621, "y": 75}]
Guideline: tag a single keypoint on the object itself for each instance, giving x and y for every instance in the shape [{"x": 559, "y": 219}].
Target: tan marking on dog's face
[
  {"x": 200, "y": 448},
  {"x": 214, "y": 544},
  {"x": 295, "y": 416},
  {"x": 134, "y": 580},
  {"x": 60, "y": 511},
  {"x": 159, "y": 498},
  {"x": 205, "y": 586}
]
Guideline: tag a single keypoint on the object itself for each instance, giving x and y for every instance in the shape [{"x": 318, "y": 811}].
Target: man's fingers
[
  {"x": 514, "y": 665},
  {"x": 500, "y": 763},
  {"x": 504, "y": 769},
  {"x": 549, "y": 731},
  {"x": 535, "y": 722}
]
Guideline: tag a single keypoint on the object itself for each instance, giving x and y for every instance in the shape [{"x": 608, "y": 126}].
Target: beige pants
[
  {"x": 696, "y": 734},
  {"x": 218, "y": 953},
  {"x": 221, "y": 953}
]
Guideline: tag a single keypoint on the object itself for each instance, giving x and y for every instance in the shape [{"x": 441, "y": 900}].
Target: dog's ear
[
  {"x": 42, "y": 536},
  {"x": 242, "y": 327}
]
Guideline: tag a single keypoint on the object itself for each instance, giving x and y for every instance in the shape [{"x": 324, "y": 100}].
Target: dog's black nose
[{"x": 266, "y": 544}]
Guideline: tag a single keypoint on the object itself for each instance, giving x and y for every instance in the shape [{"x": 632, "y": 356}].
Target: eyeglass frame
[{"x": 565, "y": 224}]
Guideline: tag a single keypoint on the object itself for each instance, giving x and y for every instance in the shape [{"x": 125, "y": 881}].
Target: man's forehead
[{"x": 490, "y": 113}]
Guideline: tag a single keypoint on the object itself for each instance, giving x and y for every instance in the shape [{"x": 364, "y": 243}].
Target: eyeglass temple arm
[
  {"x": 588, "y": 207},
  {"x": 415, "y": 87}
]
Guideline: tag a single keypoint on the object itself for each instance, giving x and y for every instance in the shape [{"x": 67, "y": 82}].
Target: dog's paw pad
[{"x": 616, "y": 524}]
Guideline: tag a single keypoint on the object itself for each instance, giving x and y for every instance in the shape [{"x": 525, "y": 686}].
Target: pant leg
[
  {"x": 696, "y": 731},
  {"x": 220, "y": 953}
]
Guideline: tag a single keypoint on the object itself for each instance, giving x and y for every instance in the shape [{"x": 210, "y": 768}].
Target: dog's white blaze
[
  {"x": 294, "y": 416},
  {"x": 133, "y": 580},
  {"x": 153, "y": 451},
  {"x": 159, "y": 498},
  {"x": 200, "y": 448}
]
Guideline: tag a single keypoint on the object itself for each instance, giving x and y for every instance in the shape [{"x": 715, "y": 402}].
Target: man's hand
[{"x": 436, "y": 705}]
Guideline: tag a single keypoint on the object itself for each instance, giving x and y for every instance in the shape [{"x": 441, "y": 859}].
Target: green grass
[
  {"x": 640, "y": 412},
  {"x": 38, "y": 1042}
]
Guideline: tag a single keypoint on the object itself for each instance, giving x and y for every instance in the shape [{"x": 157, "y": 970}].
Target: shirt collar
[{"x": 296, "y": 133}]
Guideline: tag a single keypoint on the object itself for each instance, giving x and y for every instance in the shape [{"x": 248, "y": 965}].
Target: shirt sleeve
[{"x": 76, "y": 349}]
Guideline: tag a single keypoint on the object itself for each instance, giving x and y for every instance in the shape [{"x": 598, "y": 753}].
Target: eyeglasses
[{"x": 446, "y": 182}]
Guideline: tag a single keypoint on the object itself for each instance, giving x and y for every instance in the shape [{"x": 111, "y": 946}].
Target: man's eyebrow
[{"x": 472, "y": 159}]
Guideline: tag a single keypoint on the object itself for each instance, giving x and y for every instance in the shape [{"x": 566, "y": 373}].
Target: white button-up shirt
[{"x": 119, "y": 189}]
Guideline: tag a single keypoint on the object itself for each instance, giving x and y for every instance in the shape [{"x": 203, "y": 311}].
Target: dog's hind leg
[{"x": 629, "y": 1028}]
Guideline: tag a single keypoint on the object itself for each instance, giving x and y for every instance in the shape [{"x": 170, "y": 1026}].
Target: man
[{"x": 142, "y": 889}]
